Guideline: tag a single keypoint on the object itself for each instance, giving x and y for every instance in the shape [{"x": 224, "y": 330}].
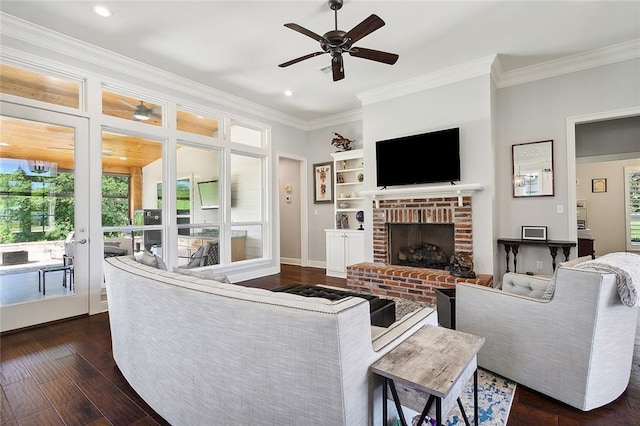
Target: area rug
[{"x": 495, "y": 395}]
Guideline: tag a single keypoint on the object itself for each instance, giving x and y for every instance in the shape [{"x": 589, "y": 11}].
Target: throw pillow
[
  {"x": 153, "y": 260},
  {"x": 206, "y": 274},
  {"x": 548, "y": 293},
  {"x": 149, "y": 259}
]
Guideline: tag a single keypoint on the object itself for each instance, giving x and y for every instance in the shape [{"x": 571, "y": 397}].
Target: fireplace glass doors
[{"x": 423, "y": 245}]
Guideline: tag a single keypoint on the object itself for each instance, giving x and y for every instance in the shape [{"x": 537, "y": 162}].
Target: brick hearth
[
  {"x": 404, "y": 281},
  {"x": 408, "y": 282}
]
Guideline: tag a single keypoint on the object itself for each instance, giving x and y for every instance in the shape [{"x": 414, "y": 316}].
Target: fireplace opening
[{"x": 422, "y": 245}]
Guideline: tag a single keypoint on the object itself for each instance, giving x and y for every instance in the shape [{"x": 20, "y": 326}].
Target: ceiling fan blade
[
  {"x": 308, "y": 33},
  {"x": 374, "y": 55},
  {"x": 364, "y": 28},
  {"x": 338, "y": 68},
  {"x": 127, "y": 103},
  {"x": 301, "y": 58}
]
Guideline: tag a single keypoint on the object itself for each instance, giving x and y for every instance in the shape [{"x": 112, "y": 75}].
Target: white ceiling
[{"x": 236, "y": 46}]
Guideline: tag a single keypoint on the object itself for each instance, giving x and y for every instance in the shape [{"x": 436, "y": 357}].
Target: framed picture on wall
[
  {"x": 323, "y": 183},
  {"x": 599, "y": 185}
]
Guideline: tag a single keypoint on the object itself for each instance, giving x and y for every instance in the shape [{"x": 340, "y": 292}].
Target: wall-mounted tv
[
  {"x": 209, "y": 194},
  {"x": 424, "y": 158}
]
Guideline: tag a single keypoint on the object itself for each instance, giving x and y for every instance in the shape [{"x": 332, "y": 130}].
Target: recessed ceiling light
[
  {"x": 123, "y": 158},
  {"x": 102, "y": 11},
  {"x": 288, "y": 93},
  {"x": 4, "y": 144}
]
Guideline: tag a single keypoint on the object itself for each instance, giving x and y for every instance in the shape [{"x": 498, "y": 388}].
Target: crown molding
[
  {"x": 28, "y": 32},
  {"x": 332, "y": 120},
  {"x": 438, "y": 78},
  {"x": 578, "y": 62}
]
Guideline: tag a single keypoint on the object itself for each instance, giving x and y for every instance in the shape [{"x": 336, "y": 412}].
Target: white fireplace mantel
[{"x": 438, "y": 191}]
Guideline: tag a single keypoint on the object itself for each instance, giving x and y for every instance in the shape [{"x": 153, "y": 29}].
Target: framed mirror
[{"x": 532, "y": 169}]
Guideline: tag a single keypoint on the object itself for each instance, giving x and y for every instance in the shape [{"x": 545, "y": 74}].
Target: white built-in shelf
[
  {"x": 459, "y": 191},
  {"x": 356, "y": 169}
]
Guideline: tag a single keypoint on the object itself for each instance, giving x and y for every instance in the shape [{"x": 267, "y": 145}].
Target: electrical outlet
[
  {"x": 539, "y": 264},
  {"x": 559, "y": 209}
]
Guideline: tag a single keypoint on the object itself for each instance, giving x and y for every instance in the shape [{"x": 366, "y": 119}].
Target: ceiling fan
[
  {"x": 336, "y": 42},
  {"x": 141, "y": 112}
]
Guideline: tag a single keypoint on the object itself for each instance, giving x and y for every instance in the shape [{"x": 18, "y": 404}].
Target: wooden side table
[{"x": 434, "y": 360}]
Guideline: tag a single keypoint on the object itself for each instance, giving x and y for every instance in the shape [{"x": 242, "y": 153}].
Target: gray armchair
[{"x": 576, "y": 347}]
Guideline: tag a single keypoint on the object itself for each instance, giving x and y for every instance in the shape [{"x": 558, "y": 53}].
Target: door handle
[{"x": 82, "y": 241}]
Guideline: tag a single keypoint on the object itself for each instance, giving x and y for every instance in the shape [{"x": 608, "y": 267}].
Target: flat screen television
[
  {"x": 424, "y": 158},
  {"x": 209, "y": 194}
]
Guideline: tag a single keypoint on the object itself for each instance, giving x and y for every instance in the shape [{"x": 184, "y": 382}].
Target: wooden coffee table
[{"x": 436, "y": 361}]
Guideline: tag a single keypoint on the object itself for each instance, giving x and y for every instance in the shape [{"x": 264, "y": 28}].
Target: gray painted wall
[{"x": 538, "y": 111}]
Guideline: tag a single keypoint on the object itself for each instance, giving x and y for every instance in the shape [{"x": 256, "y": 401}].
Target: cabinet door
[
  {"x": 354, "y": 248},
  {"x": 335, "y": 253}
]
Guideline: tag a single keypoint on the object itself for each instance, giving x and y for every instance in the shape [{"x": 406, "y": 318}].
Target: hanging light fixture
[
  {"x": 39, "y": 166},
  {"x": 142, "y": 112}
]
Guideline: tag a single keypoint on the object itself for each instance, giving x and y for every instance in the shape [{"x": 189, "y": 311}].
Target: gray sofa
[
  {"x": 200, "y": 352},
  {"x": 575, "y": 346}
]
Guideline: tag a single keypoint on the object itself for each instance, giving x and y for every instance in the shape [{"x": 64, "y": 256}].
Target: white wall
[
  {"x": 538, "y": 111},
  {"x": 465, "y": 104},
  {"x": 290, "y": 211},
  {"x": 605, "y": 210}
]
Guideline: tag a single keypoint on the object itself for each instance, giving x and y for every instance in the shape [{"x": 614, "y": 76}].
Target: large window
[
  {"x": 247, "y": 204},
  {"x": 632, "y": 198}
]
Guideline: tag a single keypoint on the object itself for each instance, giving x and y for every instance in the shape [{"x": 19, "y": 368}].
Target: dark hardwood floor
[{"x": 63, "y": 373}]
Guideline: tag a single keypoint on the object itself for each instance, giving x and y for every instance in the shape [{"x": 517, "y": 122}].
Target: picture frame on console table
[
  {"x": 536, "y": 233},
  {"x": 323, "y": 183}
]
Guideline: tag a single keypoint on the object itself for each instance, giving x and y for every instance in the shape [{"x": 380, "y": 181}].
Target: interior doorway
[
  {"x": 598, "y": 163},
  {"x": 292, "y": 207}
]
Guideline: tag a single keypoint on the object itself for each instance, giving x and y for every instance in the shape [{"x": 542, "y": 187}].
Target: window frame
[{"x": 628, "y": 171}]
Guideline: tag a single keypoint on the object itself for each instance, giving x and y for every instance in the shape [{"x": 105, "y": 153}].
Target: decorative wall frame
[
  {"x": 599, "y": 185},
  {"x": 323, "y": 183},
  {"x": 532, "y": 165},
  {"x": 538, "y": 233}
]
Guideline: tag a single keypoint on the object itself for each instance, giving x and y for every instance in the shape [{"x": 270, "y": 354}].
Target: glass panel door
[{"x": 43, "y": 225}]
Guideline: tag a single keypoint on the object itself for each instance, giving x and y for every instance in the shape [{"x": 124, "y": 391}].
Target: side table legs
[{"x": 389, "y": 384}]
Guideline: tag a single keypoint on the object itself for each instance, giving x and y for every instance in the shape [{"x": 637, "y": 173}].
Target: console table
[{"x": 513, "y": 245}]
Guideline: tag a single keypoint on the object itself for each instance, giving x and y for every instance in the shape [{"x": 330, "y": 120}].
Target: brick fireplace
[{"x": 409, "y": 282}]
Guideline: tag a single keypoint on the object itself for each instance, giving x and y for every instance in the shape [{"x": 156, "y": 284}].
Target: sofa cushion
[
  {"x": 206, "y": 274},
  {"x": 548, "y": 294}
]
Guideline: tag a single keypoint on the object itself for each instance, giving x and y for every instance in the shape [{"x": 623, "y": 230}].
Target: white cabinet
[
  {"x": 345, "y": 243},
  {"x": 344, "y": 247}
]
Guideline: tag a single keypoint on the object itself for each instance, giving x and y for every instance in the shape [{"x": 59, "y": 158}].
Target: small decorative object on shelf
[
  {"x": 360, "y": 218},
  {"x": 360, "y": 177},
  {"x": 342, "y": 143},
  {"x": 342, "y": 221},
  {"x": 343, "y": 204}
]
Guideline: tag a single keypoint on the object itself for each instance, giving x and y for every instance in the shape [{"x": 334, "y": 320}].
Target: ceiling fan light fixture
[{"x": 141, "y": 114}]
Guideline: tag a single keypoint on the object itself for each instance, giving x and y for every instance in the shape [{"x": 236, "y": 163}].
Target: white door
[{"x": 47, "y": 155}]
